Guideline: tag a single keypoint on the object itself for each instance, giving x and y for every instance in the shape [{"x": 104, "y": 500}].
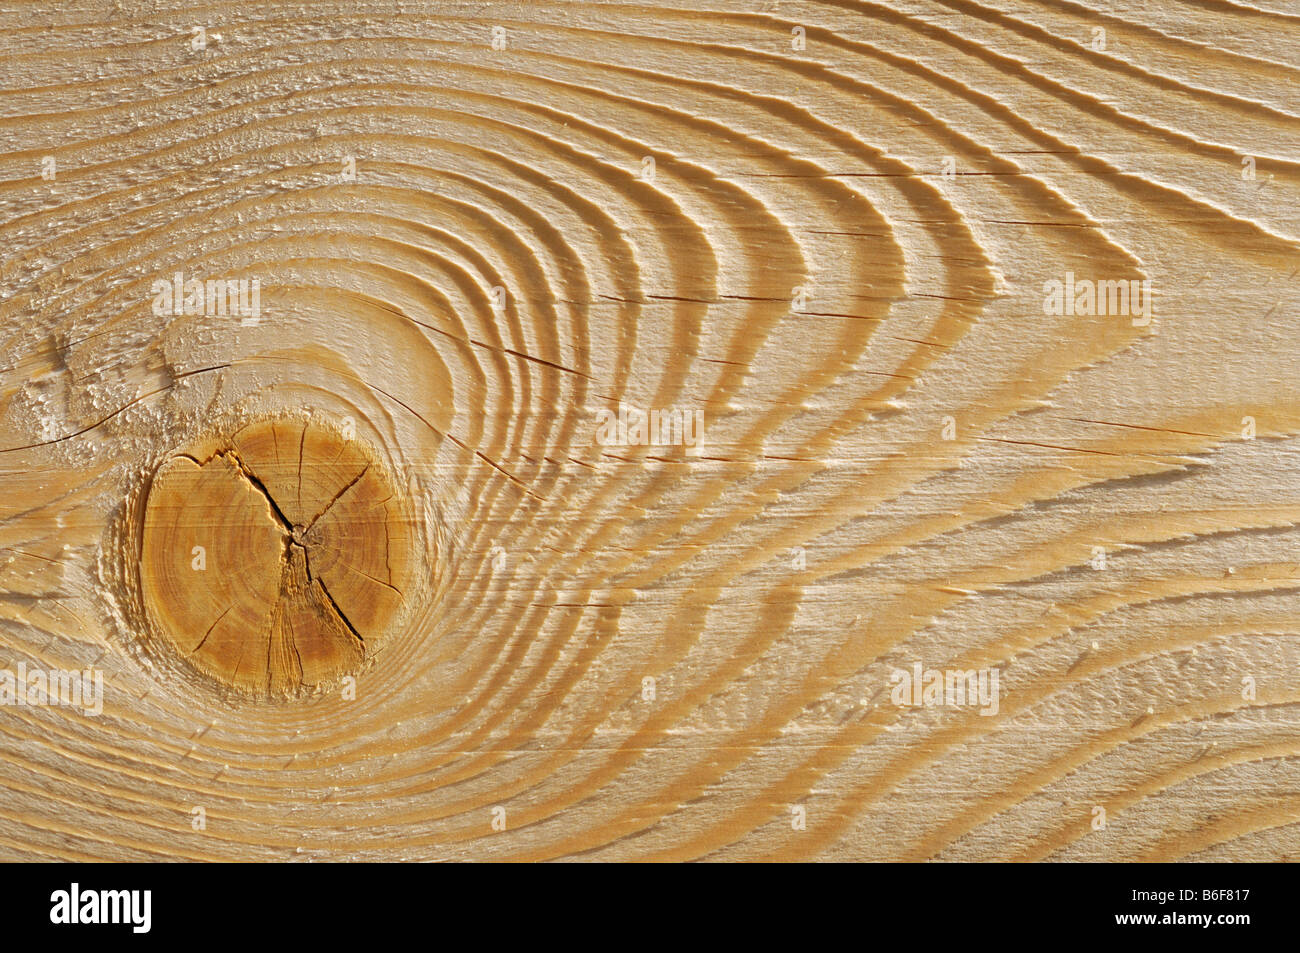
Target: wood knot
[{"x": 274, "y": 561}]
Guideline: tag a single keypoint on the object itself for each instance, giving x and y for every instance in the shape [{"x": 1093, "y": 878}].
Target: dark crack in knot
[{"x": 276, "y": 562}]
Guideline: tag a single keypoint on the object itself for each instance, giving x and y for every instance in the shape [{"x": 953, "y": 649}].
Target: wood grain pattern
[{"x": 829, "y": 231}]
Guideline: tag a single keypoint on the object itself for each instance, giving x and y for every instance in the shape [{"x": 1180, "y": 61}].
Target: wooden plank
[{"x": 798, "y": 430}]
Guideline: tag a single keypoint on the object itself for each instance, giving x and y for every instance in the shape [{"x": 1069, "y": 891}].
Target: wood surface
[{"x": 829, "y": 232}]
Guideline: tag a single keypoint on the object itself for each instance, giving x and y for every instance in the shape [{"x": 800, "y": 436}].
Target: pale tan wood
[{"x": 828, "y": 228}]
